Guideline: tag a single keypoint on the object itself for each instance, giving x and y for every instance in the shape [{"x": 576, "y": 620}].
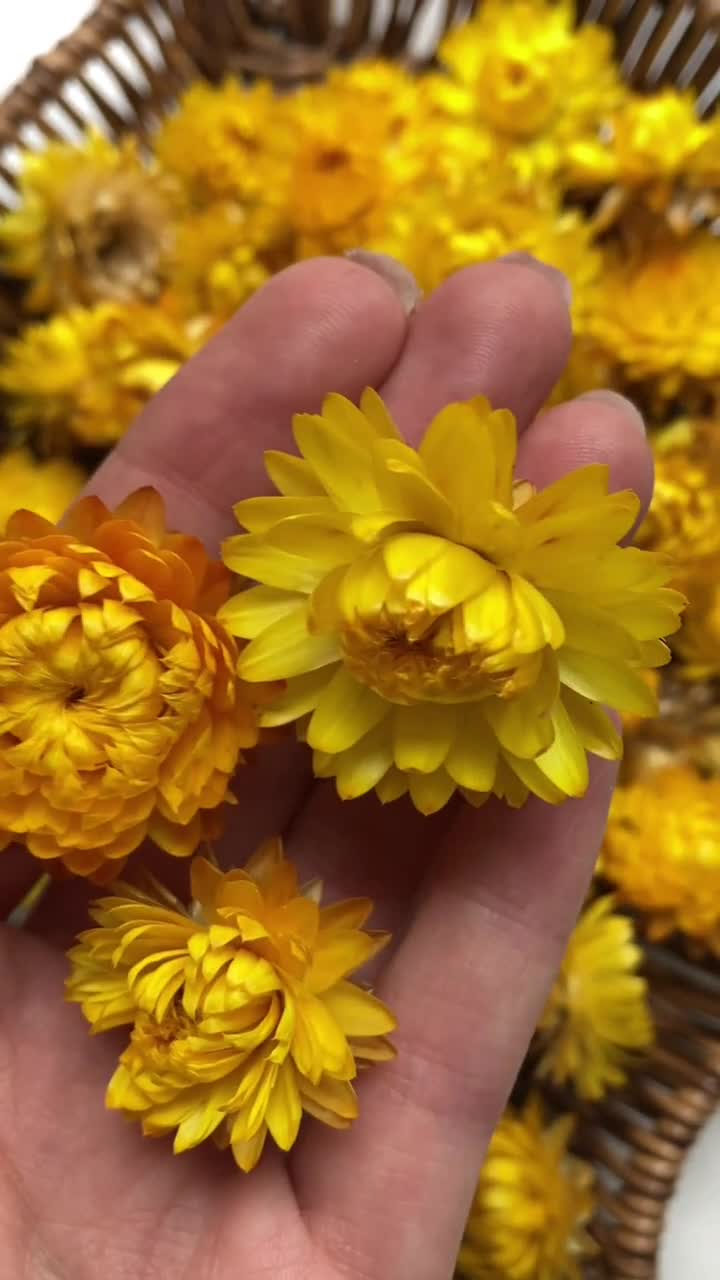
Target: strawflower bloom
[
  {"x": 662, "y": 852},
  {"x": 93, "y": 224},
  {"x": 684, "y": 516},
  {"x": 121, "y": 716},
  {"x": 597, "y": 1015},
  {"x": 45, "y": 486},
  {"x": 222, "y": 144},
  {"x": 222, "y": 256},
  {"x": 242, "y": 1010},
  {"x": 532, "y": 1206},
  {"x": 536, "y": 80},
  {"x": 653, "y": 314},
  {"x": 438, "y": 625},
  {"x": 648, "y": 141},
  {"x": 342, "y": 170},
  {"x": 697, "y": 645},
  {"x": 87, "y": 373}
]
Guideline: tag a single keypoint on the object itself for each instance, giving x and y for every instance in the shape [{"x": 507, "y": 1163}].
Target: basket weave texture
[{"x": 122, "y": 70}]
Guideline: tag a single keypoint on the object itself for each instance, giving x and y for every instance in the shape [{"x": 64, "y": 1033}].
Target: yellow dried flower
[
  {"x": 698, "y": 644},
  {"x": 649, "y": 141},
  {"x": 684, "y": 517},
  {"x": 87, "y": 373},
  {"x": 342, "y": 170},
  {"x": 597, "y": 1014},
  {"x": 662, "y": 852},
  {"x": 654, "y": 315},
  {"x": 44, "y": 487},
  {"x": 533, "y": 1204},
  {"x": 93, "y": 223},
  {"x": 439, "y": 626},
  {"x": 535, "y": 78},
  {"x": 381, "y": 86},
  {"x": 242, "y": 1013},
  {"x": 226, "y": 142},
  {"x": 218, "y": 262},
  {"x": 121, "y": 716}
]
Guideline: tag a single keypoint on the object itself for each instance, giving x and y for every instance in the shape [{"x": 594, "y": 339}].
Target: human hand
[{"x": 481, "y": 903}]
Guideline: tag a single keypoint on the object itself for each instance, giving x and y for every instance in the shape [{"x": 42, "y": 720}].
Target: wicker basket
[{"x": 123, "y": 70}]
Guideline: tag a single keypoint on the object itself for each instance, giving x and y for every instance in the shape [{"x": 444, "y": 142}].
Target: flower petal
[
  {"x": 423, "y": 734},
  {"x": 287, "y": 648},
  {"x": 346, "y": 711}
]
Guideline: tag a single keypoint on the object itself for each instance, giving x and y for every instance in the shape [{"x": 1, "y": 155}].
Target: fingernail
[
  {"x": 619, "y": 403},
  {"x": 401, "y": 281},
  {"x": 558, "y": 278}
]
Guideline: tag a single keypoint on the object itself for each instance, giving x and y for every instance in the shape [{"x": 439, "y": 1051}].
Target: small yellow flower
[
  {"x": 649, "y": 140},
  {"x": 535, "y": 78},
  {"x": 597, "y": 1014},
  {"x": 684, "y": 517},
  {"x": 121, "y": 716},
  {"x": 662, "y": 852},
  {"x": 93, "y": 224},
  {"x": 654, "y": 315},
  {"x": 222, "y": 144},
  {"x": 88, "y": 373},
  {"x": 533, "y": 1204},
  {"x": 341, "y": 171},
  {"x": 438, "y": 625},
  {"x": 242, "y": 1013},
  {"x": 44, "y": 487},
  {"x": 222, "y": 256}
]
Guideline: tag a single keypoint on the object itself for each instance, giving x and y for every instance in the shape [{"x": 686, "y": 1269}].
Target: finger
[
  {"x": 601, "y": 426},
  {"x": 501, "y": 330},
  {"x": 323, "y": 325}
]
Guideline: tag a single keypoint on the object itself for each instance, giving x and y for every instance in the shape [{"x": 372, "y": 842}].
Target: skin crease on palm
[{"x": 481, "y": 902}]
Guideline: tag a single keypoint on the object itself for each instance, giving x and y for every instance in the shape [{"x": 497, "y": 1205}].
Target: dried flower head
[
  {"x": 648, "y": 141},
  {"x": 597, "y": 1015},
  {"x": 88, "y": 373},
  {"x": 532, "y": 1206},
  {"x": 121, "y": 716},
  {"x": 46, "y": 487},
  {"x": 653, "y": 314},
  {"x": 536, "y": 80},
  {"x": 226, "y": 142},
  {"x": 222, "y": 255},
  {"x": 684, "y": 518},
  {"x": 93, "y": 224},
  {"x": 438, "y": 624},
  {"x": 243, "y": 1016},
  {"x": 662, "y": 852}
]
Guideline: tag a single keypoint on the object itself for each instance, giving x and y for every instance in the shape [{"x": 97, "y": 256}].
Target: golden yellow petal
[
  {"x": 287, "y": 648},
  {"x": 357, "y": 1012},
  {"x": 430, "y": 792},
  {"x": 284, "y": 1108},
  {"x": 344, "y": 713},
  {"x": 251, "y": 611},
  {"x": 471, "y": 760},
  {"x": 291, "y": 475},
  {"x": 602, "y": 680},
  {"x": 423, "y": 734}
]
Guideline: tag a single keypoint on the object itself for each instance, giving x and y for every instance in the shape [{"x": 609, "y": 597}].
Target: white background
[{"x": 692, "y": 1244}]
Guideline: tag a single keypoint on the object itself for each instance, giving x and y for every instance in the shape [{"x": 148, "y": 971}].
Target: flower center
[
  {"x": 74, "y": 699},
  {"x": 408, "y": 668}
]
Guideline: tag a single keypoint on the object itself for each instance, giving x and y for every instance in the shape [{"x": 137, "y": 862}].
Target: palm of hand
[{"x": 481, "y": 904}]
